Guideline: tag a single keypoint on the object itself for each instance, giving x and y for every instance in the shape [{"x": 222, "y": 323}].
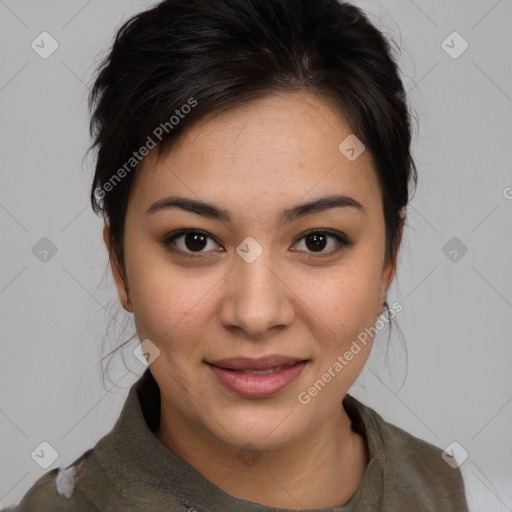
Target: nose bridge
[{"x": 256, "y": 299}]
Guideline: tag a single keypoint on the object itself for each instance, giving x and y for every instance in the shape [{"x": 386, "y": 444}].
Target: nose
[{"x": 257, "y": 298}]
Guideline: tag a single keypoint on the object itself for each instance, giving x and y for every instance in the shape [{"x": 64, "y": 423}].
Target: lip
[
  {"x": 260, "y": 363},
  {"x": 229, "y": 373}
]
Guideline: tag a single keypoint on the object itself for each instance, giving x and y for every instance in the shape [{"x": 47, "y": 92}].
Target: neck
[{"x": 322, "y": 469}]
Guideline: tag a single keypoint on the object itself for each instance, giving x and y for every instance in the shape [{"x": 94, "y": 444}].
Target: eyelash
[{"x": 342, "y": 240}]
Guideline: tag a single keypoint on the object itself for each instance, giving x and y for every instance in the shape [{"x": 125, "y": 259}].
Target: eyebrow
[{"x": 214, "y": 212}]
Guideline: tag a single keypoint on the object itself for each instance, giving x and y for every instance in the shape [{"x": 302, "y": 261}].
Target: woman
[{"x": 253, "y": 171}]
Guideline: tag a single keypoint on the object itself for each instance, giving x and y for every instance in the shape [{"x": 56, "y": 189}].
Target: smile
[{"x": 257, "y": 378}]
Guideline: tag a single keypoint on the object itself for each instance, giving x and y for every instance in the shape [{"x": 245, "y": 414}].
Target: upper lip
[{"x": 261, "y": 363}]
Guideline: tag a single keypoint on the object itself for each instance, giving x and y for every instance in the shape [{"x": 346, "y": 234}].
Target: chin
[{"x": 265, "y": 431}]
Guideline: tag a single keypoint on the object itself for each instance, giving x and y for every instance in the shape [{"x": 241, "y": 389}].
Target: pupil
[
  {"x": 319, "y": 241},
  {"x": 195, "y": 241}
]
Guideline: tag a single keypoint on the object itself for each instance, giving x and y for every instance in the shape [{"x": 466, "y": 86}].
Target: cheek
[
  {"x": 345, "y": 301},
  {"x": 168, "y": 305}
]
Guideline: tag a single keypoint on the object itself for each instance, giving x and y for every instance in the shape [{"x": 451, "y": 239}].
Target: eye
[
  {"x": 193, "y": 241},
  {"x": 315, "y": 241}
]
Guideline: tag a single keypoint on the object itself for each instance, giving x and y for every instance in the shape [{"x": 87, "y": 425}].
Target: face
[{"x": 248, "y": 306}]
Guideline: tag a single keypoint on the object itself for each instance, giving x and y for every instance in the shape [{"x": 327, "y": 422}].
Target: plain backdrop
[{"x": 454, "y": 276}]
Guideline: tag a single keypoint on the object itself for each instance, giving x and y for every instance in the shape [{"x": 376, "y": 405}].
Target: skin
[{"x": 255, "y": 161}]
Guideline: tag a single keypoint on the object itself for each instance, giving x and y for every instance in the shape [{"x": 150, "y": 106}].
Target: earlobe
[
  {"x": 390, "y": 267},
  {"x": 387, "y": 279},
  {"x": 119, "y": 278}
]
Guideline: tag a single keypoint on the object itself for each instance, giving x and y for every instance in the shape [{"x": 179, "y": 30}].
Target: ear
[
  {"x": 389, "y": 269},
  {"x": 119, "y": 278}
]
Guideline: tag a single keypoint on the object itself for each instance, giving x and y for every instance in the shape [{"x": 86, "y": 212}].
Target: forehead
[{"x": 281, "y": 147}]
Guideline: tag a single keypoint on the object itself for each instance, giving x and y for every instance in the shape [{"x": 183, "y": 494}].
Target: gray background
[{"x": 456, "y": 316}]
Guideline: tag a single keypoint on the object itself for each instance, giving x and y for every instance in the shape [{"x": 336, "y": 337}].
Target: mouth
[{"x": 257, "y": 378}]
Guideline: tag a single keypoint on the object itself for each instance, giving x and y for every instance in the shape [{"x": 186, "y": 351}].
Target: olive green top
[{"x": 130, "y": 470}]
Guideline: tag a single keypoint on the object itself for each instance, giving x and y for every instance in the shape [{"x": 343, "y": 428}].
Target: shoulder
[
  {"x": 59, "y": 490},
  {"x": 413, "y": 468}
]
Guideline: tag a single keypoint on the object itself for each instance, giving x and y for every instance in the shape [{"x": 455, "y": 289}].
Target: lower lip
[{"x": 258, "y": 386}]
